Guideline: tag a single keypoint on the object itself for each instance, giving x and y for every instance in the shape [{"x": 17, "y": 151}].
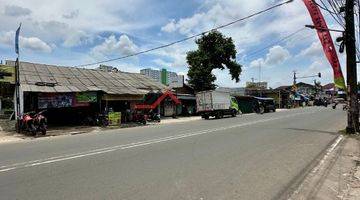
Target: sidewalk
[
  {"x": 6, "y": 137},
  {"x": 58, "y": 131},
  {"x": 337, "y": 175},
  {"x": 171, "y": 120}
]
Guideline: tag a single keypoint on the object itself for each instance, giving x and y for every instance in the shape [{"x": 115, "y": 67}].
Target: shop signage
[
  {"x": 53, "y": 100},
  {"x": 63, "y": 100},
  {"x": 88, "y": 97},
  {"x": 7, "y": 74},
  {"x": 114, "y": 118}
]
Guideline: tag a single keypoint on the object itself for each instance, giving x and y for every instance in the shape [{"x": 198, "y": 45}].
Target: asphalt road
[{"x": 247, "y": 157}]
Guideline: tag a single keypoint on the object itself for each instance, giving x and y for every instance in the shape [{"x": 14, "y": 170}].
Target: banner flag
[
  {"x": 17, "y": 40},
  {"x": 326, "y": 41}
]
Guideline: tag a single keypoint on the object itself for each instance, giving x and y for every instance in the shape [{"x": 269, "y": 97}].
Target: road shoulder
[{"x": 337, "y": 174}]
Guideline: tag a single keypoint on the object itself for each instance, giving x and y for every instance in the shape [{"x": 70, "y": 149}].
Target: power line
[
  {"x": 276, "y": 42},
  {"x": 335, "y": 12},
  {"x": 190, "y": 37},
  {"x": 335, "y": 6}
]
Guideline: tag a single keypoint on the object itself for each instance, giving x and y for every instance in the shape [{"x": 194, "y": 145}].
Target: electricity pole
[
  {"x": 294, "y": 81},
  {"x": 353, "y": 112}
]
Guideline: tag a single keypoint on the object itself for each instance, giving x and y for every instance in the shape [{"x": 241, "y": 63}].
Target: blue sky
[{"x": 72, "y": 33}]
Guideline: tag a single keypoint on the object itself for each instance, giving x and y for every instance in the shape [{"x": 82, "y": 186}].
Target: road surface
[{"x": 247, "y": 157}]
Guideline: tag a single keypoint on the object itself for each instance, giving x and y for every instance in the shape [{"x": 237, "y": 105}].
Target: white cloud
[
  {"x": 214, "y": 13},
  {"x": 63, "y": 33},
  {"x": 73, "y": 14},
  {"x": 251, "y": 33},
  {"x": 276, "y": 55},
  {"x": 77, "y": 38},
  {"x": 257, "y": 62},
  {"x": 29, "y": 43},
  {"x": 184, "y": 26},
  {"x": 170, "y": 27},
  {"x": 322, "y": 66},
  {"x": 16, "y": 11},
  {"x": 114, "y": 46},
  {"x": 315, "y": 50},
  {"x": 176, "y": 55},
  {"x": 35, "y": 44},
  {"x": 161, "y": 63}
]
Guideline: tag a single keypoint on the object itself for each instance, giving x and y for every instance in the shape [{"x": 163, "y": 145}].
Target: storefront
[
  {"x": 186, "y": 95},
  {"x": 7, "y": 88},
  {"x": 73, "y": 95}
]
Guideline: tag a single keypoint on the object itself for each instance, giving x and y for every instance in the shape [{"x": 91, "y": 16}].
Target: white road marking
[
  {"x": 328, "y": 152},
  {"x": 39, "y": 162},
  {"x": 7, "y": 169},
  {"x": 319, "y": 166}
]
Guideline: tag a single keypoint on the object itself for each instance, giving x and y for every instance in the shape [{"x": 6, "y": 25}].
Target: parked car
[
  {"x": 214, "y": 103},
  {"x": 263, "y": 105}
]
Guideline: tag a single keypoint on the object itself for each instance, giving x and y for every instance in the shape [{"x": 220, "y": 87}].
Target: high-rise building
[
  {"x": 107, "y": 68},
  {"x": 154, "y": 74},
  {"x": 165, "y": 77}
]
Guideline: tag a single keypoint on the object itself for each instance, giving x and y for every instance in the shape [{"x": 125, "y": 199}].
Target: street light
[{"x": 323, "y": 29}]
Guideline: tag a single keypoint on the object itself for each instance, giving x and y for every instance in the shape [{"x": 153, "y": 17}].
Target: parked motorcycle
[
  {"x": 154, "y": 117},
  {"x": 96, "y": 120},
  {"x": 27, "y": 123},
  {"x": 139, "y": 117},
  {"x": 102, "y": 120},
  {"x": 40, "y": 122},
  {"x": 34, "y": 122}
]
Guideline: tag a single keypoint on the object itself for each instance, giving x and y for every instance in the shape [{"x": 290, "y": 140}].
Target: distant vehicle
[
  {"x": 214, "y": 103},
  {"x": 264, "y": 105},
  {"x": 321, "y": 102}
]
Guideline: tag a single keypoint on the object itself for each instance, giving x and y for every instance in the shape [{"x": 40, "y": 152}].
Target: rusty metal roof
[{"x": 50, "y": 78}]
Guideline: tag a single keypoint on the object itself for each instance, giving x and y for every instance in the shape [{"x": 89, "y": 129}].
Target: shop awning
[
  {"x": 185, "y": 97},
  {"x": 56, "y": 79}
]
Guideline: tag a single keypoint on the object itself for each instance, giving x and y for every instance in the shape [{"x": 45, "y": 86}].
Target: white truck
[{"x": 216, "y": 103}]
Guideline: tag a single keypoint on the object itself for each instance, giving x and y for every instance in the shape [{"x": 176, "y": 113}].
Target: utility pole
[
  {"x": 294, "y": 82},
  {"x": 353, "y": 112},
  {"x": 259, "y": 72}
]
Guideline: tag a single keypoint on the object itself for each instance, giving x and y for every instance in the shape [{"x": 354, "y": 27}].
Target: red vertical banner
[{"x": 326, "y": 41}]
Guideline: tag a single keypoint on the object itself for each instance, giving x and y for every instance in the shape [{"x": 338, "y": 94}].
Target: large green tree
[{"x": 215, "y": 51}]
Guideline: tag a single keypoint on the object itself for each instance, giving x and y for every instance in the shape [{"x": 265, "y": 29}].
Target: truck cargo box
[{"x": 213, "y": 100}]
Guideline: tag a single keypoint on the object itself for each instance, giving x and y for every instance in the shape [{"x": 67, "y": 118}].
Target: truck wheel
[
  {"x": 206, "y": 116},
  {"x": 219, "y": 115},
  {"x": 261, "y": 110},
  {"x": 233, "y": 113}
]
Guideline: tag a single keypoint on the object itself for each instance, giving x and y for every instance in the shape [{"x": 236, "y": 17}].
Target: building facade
[
  {"x": 258, "y": 85},
  {"x": 72, "y": 95},
  {"x": 107, "y": 68},
  {"x": 165, "y": 77}
]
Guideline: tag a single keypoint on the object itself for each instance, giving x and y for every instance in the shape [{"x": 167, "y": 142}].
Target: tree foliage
[{"x": 215, "y": 51}]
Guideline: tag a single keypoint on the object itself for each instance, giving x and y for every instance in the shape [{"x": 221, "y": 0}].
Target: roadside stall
[{"x": 76, "y": 96}]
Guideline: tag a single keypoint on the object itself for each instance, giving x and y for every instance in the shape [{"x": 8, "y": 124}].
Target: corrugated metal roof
[{"x": 71, "y": 79}]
